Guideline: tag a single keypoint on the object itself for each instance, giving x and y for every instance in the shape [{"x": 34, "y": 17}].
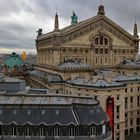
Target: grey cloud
[{"x": 40, "y": 13}]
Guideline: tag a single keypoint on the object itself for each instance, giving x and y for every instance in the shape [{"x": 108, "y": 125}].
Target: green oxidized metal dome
[{"x": 14, "y": 60}]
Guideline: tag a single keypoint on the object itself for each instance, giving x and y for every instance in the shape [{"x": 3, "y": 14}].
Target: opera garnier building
[{"x": 93, "y": 58}]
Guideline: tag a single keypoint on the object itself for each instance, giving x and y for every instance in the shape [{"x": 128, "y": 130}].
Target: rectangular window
[
  {"x": 96, "y": 50},
  {"x": 138, "y": 121},
  {"x": 131, "y": 99},
  {"x": 138, "y": 129},
  {"x": 126, "y": 123},
  {"x": 131, "y": 122},
  {"x": 101, "y": 51},
  {"x": 126, "y": 100},
  {"x": 126, "y": 115},
  {"x": 118, "y": 116},
  {"x": 138, "y": 101},
  {"x": 118, "y": 97},
  {"x": 118, "y": 126},
  {"x": 1, "y": 111},
  {"x": 106, "y": 51},
  {"x": 117, "y": 109},
  {"x": 126, "y": 132}
]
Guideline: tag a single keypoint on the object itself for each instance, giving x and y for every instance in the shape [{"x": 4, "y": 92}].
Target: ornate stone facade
[{"x": 97, "y": 41}]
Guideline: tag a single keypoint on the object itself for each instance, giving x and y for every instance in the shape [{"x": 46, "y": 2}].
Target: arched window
[{"x": 101, "y": 40}]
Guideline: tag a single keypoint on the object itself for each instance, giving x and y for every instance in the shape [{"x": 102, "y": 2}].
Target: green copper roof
[{"x": 14, "y": 60}]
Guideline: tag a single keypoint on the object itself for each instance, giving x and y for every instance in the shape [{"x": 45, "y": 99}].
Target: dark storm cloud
[{"x": 20, "y": 19}]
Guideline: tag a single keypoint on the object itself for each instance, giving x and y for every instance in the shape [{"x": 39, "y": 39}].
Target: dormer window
[
  {"x": 1, "y": 111},
  {"x": 57, "y": 112},
  {"x": 29, "y": 112}
]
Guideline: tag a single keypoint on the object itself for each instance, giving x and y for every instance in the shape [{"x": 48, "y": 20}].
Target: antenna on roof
[
  {"x": 101, "y": 2},
  {"x": 56, "y": 8},
  {"x": 135, "y": 20}
]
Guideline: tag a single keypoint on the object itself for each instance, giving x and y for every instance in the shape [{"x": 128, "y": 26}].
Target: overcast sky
[{"x": 20, "y": 19}]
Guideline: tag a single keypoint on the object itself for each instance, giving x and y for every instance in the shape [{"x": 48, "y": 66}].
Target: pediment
[
  {"x": 87, "y": 38},
  {"x": 85, "y": 29}
]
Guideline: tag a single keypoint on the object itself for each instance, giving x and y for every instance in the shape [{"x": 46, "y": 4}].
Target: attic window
[
  {"x": 14, "y": 111},
  {"x": 43, "y": 112},
  {"x": 28, "y": 112},
  {"x": 98, "y": 110},
  {"x": 57, "y": 112},
  {"x": 1, "y": 111},
  {"x": 91, "y": 111}
]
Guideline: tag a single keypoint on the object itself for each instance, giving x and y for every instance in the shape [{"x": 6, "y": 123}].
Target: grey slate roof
[
  {"x": 130, "y": 63},
  {"x": 11, "y": 84},
  {"x": 99, "y": 83},
  {"x": 73, "y": 64},
  {"x": 91, "y": 114},
  {"x": 106, "y": 73},
  {"x": 122, "y": 78},
  {"x": 50, "y": 110},
  {"x": 44, "y": 99},
  {"x": 50, "y": 77},
  {"x": 34, "y": 116},
  {"x": 61, "y": 115}
]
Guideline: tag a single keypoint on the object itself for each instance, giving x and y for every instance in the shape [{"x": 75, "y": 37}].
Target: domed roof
[{"x": 14, "y": 60}]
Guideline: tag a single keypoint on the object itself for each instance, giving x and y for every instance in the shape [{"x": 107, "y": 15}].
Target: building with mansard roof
[
  {"x": 94, "y": 57},
  {"x": 41, "y": 114}
]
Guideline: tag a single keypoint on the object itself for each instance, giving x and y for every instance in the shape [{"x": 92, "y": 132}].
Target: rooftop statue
[
  {"x": 39, "y": 32},
  {"x": 23, "y": 55},
  {"x": 74, "y": 18}
]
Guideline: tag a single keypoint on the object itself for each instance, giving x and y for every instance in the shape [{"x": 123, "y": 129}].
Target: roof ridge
[{"x": 118, "y": 26}]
